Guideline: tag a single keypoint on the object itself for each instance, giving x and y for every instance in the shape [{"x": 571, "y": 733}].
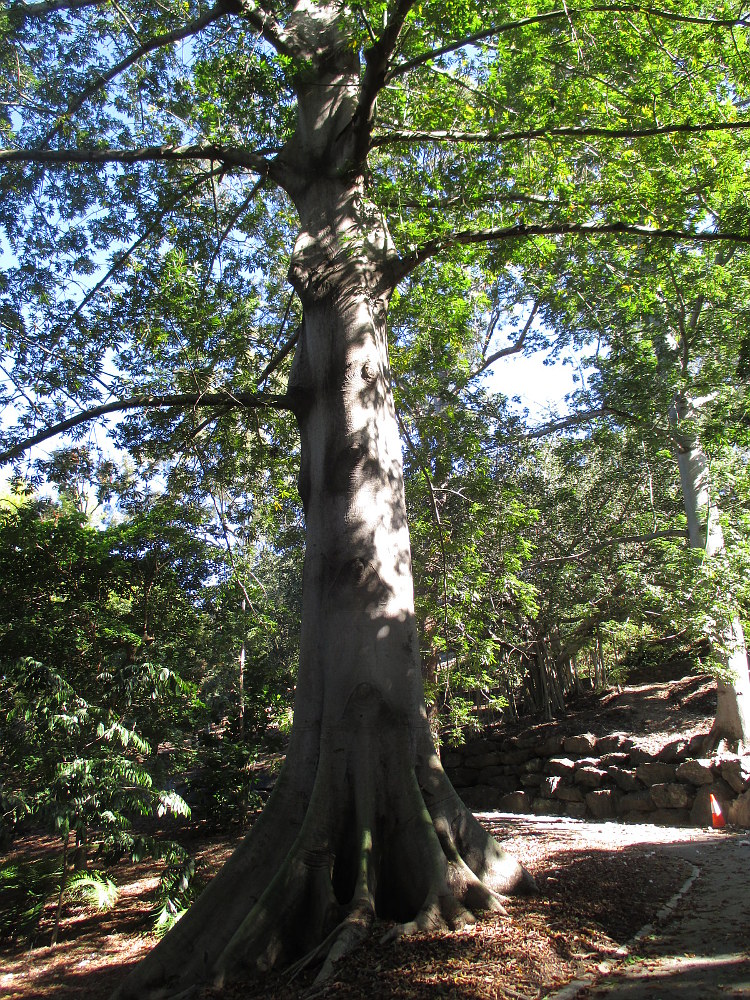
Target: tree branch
[
  {"x": 231, "y": 156},
  {"x": 572, "y": 421},
  {"x": 563, "y": 13},
  {"x": 236, "y": 215},
  {"x": 477, "y": 36},
  {"x": 283, "y": 351},
  {"x": 126, "y": 254},
  {"x": 259, "y": 18},
  {"x": 265, "y": 23},
  {"x": 567, "y": 131},
  {"x": 522, "y": 231},
  {"x": 158, "y": 41},
  {"x": 377, "y": 58},
  {"x": 609, "y": 543},
  {"x": 22, "y": 11},
  {"x": 225, "y": 399},
  {"x": 479, "y": 201},
  {"x": 513, "y": 348}
]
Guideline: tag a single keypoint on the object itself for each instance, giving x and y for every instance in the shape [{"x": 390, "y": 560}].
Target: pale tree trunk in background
[
  {"x": 363, "y": 822},
  {"x": 732, "y": 721}
]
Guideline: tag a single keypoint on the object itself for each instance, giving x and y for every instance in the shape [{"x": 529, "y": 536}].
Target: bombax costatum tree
[{"x": 169, "y": 172}]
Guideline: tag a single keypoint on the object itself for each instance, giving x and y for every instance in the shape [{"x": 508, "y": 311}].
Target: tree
[
  {"x": 732, "y": 722},
  {"x": 672, "y": 326},
  {"x": 157, "y": 160},
  {"x": 76, "y": 697}
]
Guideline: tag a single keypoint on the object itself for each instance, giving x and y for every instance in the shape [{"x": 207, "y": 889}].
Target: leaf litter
[{"x": 599, "y": 884}]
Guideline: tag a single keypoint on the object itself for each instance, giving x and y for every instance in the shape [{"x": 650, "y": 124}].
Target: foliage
[
  {"x": 94, "y": 888},
  {"x": 549, "y": 178},
  {"x": 221, "y": 788},
  {"x": 488, "y": 122},
  {"x": 27, "y": 886},
  {"x": 122, "y": 638},
  {"x": 179, "y": 885},
  {"x": 77, "y": 766}
]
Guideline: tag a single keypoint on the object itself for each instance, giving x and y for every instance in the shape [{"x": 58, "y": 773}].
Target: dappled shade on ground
[{"x": 597, "y": 890}]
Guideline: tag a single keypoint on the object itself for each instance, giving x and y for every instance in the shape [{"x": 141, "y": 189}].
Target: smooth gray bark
[
  {"x": 732, "y": 722},
  {"x": 363, "y": 822}
]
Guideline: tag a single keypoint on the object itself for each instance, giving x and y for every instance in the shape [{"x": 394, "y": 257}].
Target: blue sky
[{"x": 541, "y": 388}]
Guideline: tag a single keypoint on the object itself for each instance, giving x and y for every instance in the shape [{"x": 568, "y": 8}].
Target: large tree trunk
[
  {"x": 732, "y": 722},
  {"x": 363, "y": 822}
]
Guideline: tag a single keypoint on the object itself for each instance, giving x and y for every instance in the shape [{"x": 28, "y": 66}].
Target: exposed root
[
  {"x": 312, "y": 957},
  {"x": 438, "y": 913},
  {"x": 720, "y": 741},
  {"x": 350, "y": 933},
  {"x": 299, "y": 897},
  {"x": 352, "y": 930},
  {"x": 187, "y": 954},
  {"x": 357, "y": 924},
  {"x": 471, "y": 891},
  {"x": 461, "y": 834},
  {"x": 428, "y": 919},
  {"x": 379, "y": 833}
]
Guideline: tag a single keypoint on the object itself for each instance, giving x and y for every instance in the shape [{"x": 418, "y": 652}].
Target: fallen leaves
[{"x": 595, "y": 894}]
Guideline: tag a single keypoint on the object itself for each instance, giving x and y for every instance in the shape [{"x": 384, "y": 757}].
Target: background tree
[
  {"x": 607, "y": 559},
  {"x": 80, "y": 702},
  {"x": 154, "y": 158},
  {"x": 670, "y": 326}
]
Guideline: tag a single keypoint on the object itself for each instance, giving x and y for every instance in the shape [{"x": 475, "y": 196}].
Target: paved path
[{"x": 700, "y": 951}]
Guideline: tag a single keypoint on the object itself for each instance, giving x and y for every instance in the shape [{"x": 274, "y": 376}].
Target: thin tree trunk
[
  {"x": 601, "y": 666},
  {"x": 557, "y": 696},
  {"x": 576, "y": 679},
  {"x": 80, "y": 857},
  {"x": 541, "y": 663},
  {"x": 241, "y": 679},
  {"x": 534, "y": 682},
  {"x": 63, "y": 887}
]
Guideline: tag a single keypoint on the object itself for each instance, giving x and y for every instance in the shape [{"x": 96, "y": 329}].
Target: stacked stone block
[{"x": 602, "y": 778}]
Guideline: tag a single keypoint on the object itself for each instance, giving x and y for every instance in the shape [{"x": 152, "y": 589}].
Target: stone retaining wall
[{"x": 606, "y": 777}]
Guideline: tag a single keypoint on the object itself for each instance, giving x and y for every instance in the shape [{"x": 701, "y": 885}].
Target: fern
[
  {"x": 178, "y": 887},
  {"x": 94, "y": 888},
  {"x": 171, "y": 802},
  {"x": 166, "y": 917},
  {"x": 24, "y": 889},
  {"x": 124, "y": 736}
]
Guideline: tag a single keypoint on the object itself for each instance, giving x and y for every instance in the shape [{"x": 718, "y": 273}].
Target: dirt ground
[
  {"x": 599, "y": 884},
  {"x": 653, "y": 714},
  {"x": 701, "y": 950}
]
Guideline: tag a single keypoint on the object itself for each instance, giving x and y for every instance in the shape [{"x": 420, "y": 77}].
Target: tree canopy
[{"x": 147, "y": 230}]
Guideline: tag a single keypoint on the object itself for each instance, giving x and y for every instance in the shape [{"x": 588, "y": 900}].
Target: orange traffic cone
[{"x": 717, "y": 816}]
